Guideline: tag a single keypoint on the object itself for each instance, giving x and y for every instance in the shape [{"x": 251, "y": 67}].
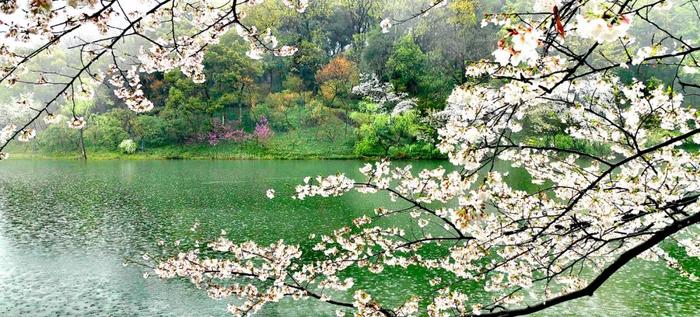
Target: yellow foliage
[
  {"x": 337, "y": 77},
  {"x": 465, "y": 12}
]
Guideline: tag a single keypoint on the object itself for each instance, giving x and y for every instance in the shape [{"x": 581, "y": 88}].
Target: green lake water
[{"x": 66, "y": 227}]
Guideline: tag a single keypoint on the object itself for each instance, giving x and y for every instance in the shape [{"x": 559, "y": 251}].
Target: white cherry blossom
[{"x": 76, "y": 123}]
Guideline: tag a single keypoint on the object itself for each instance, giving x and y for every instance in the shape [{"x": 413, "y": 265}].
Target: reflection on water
[{"x": 65, "y": 228}]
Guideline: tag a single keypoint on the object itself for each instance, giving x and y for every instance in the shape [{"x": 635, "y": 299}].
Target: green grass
[
  {"x": 292, "y": 145},
  {"x": 302, "y": 144}
]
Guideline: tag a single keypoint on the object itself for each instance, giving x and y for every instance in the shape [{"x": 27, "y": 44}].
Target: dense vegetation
[
  {"x": 294, "y": 107},
  {"x": 302, "y": 106}
]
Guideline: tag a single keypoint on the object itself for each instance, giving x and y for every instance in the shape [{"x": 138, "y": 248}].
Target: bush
[
  {"x": 152, "y": 130},
  {"x": 128, "y": 146},
  {"x": 316, "y": 113},
  {"x": 380, "y": 133},
  {"x": 58, "y": 138},
  {"x": 105, "y": 131},
  {"x": 280, "y": 109},
  {"x": 221, "y": 132}
]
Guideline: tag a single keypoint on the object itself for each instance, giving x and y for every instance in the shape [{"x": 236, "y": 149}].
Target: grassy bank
[
  {"x": 288, "y": 146},
  {"x": 174, "y": 153},
  {"x": 283, "y": 146},
  {"x": 323, "y": 142},
  {"x": 295, "y": 145},
  {"x": 308, "y": 143}
]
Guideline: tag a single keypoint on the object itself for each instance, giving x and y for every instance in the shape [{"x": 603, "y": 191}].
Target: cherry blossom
[
  {"x": 7, "y": 132},
  {"x": 545, "y": 5},
  {"x": 603, "y": 30},
  {"x": 584, "y": 216},
  {"x": 51, "y": 118},
  {"x": 519, "y": 46},
  {"x": 285, "y": 50},
  {"x": 77, "y": 123},
  {"x": 26, "y": 135},
  {"x": 386, "y": 25},
  {"x": 586, "y": 212},
  {"x": 646, "y": 52},
  {"x": 383, "y": 93}
]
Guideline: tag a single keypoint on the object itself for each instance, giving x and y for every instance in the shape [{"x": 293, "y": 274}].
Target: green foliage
[
  {"x": 565, "y": 141},
  {"x": 306, "y": 98},
  {"x": 58, "y": 138},
  {"x": 153, "y": 130},
  {"x": 186, "y": 96},
  {"x": 376, "y": 53},
  {"x": 382, "y": 134},
  {"x": 307, "y": 61},
  {"x": 317, "y": 113},
  {"x": 281, "y": 109},
  {"x": 544, "y": 121},
  {"x": 464, "y": 12},
  {"x": 128, "y": 146},
  {"x": 411, "y": 70},
  {"x": 326, "y": 120},
  {"x": 406, "y": 65},
  {"x": 104, "y": 131}
]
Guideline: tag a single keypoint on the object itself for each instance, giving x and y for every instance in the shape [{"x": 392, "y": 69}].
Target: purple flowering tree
[{"x": 263, "y": 132}]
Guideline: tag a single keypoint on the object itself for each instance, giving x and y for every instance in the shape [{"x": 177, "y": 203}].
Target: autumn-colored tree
[{"x": 337, "y": 78}]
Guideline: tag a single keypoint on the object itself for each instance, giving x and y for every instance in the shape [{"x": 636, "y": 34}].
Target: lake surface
[{"x": 67, "y": 226}]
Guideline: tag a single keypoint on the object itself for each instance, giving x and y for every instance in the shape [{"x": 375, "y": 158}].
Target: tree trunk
[
  {"x": 82, "y": 145},
  {"x": 347, "y": 118}
]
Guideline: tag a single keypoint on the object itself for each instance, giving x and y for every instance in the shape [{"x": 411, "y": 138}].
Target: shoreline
[
  {"x": 112, "y": 156},
  {"x": 155, "y": 157}
]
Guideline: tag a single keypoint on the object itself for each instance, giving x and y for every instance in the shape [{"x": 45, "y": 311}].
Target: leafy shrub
[
  {"x": 105, "y": 131},
  {"x": 316, "y": 113},
  {"x": 380, "y": 133},
  {"x": 281, "y": 109},
  {"x": 152, "y": 130},
  {"x": 58, "y": 138},
  {"x": 128, "y": 146}
]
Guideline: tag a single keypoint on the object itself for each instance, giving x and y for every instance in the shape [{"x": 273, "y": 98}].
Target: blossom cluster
[
  {"x": 231, "y": 131},
  {"x": 593, "y": 20},
  {"x": 602, "y": 28},
  {"x": 267, "y": 264},
  {"x": 519, "y": 46},
  {"x": 333, "y": 185},
  {"x": 383, "y": 93},
  {"x": 132, "y": 93}
]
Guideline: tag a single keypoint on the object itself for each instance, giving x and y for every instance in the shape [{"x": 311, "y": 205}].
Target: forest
[
  {"x": 322, "y": 102},
  {"x": 337, "y": 97}
]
